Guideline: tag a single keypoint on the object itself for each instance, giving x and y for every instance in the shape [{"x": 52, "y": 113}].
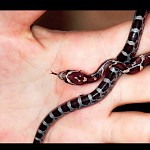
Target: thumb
[{"x": 17, "y": 22}]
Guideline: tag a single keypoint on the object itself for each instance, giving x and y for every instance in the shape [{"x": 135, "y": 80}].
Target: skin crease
[{"x": 29, "y": 91}]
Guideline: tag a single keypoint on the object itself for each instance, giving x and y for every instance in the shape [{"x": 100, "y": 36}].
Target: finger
[
  {"x": 45, "y": 36},
  {"x": 120, "y": 34},
  {"x": 127, "y": 127},
  {"x": 17, "y": 22},
  {"x": 131, "y": 89}
]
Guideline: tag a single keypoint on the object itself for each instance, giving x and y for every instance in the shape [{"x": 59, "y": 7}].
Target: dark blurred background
[
  {"x": 83, "y": 20},
  {"x": 89, "y": 20}
]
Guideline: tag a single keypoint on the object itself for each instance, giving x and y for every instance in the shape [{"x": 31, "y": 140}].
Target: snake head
[{"x": 73, "y": 77}]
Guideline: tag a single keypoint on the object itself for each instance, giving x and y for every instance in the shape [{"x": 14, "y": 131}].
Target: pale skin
[{"x": 28, "y": 90}]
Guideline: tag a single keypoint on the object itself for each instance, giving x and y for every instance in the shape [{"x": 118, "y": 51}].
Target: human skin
[{"x": 28, "y": 90}]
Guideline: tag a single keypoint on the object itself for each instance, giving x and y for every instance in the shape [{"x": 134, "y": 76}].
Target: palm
[{"x": 29, "y": 91}]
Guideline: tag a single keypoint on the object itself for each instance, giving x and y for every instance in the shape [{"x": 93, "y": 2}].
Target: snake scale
[{"x": 110, "y": 70}]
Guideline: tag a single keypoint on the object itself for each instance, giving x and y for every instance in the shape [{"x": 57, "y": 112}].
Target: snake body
[{"x": 110, "y": 70}]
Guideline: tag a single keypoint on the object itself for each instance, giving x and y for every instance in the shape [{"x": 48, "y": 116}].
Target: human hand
[{"x": 29, "y": 91}]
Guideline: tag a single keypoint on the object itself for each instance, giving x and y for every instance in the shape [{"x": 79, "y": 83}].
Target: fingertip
[
  {"x": 31, "y": 26},
  {"x": 40, "y": 32}
]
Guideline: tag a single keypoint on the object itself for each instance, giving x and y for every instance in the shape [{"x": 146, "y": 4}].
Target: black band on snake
[{"x": 110, "y": 70}]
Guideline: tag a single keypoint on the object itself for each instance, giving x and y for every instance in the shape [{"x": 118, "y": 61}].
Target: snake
[{"x": 111, "y": 70}]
